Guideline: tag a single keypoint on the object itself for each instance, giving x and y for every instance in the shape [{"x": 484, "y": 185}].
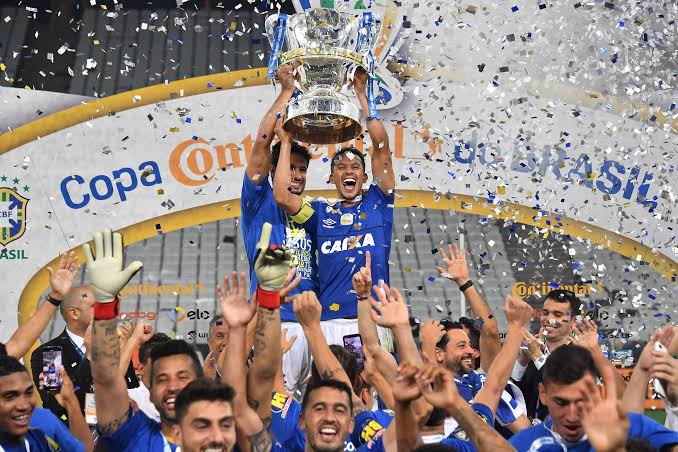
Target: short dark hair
[
  {"x": 202, "y": 389},
  {"x": 146, "y": 347},
  {"x": 10, "y": 365},
  {"x": 171, "y": 348},
  {"x": 348, "y": 362},
  {"x": 346, "y": 150},
  {"x": 329, "y": 383},
  {"x": 296, "y": 149},
  {"x": 448, "y": 324},
  {"x": 437, "y": 447},
  {"x": 568, "y": 364},
  {"x": 565, "y": 296}
]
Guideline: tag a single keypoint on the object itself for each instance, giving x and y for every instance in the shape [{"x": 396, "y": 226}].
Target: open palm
[
  {"x": 456, "y": 267},
  {"x": 391, "y": 310},
  {"x": 61, "y": 279},
  {"x": 235, "y": 309}
]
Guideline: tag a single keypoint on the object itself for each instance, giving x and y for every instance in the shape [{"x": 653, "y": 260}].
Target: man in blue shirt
[
  {"x": 580, "y": 420},
  {"x": 344, "y": 230},
  {"x": 258, "y": 206},
  {"x": 17, "y": 406}
]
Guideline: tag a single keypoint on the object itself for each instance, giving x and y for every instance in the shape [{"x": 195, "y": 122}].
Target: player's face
[
  {"x": 170, "y": 375},
  {"x": 556, "y": 319},
  {"x": 458, "y": 354},
  {"x": 564, "y": 404},
  {"x": 218, "y": 337},
  {"x": 348, "y": 176},
  {"x": 17, "y": 403},
  {"x": 327, "y": 420},
  {"x": 298, "y": 168},
  {"x": 207, "y": 426}
]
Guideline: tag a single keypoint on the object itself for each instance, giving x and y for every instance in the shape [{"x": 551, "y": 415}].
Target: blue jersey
[
  {"x": 139, "y": 432},
  {"x": 36, "y": 440},
  {"x": 257, "y": 207},
  {"x": 53, "y": 428},
  {"x": 540, "y": 438},
  {"x": 343, "y": 234},
  {"x": 471, "y": 383},
  {"x": 290, "y": 437},
  {"x": 459, "y": 439}
]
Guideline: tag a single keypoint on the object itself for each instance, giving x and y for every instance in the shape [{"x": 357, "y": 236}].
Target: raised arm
[
  {"x": 382, "y": 163},
  {"x": 60, "y": 280},
  {"x": 140, "y": 335},
  {"x": 76, "y": 420},
  {"x": 518, "y": 315},
  {"x": 107, "y": 278},
  {"x": 307, "y": 309},
  {"x": 636, "y": 390},
  {"x": 456, "y": 269},
  {"x": 362, "y": 283},
  {"x": 586, "y": 335},
  {"x": 406, "y": 391},
  {"x": 237, "y": 313},
  {"x": 438, "y": 387},
  {"x": 259, "y": 162},
  {"x": 289, "y": 202}
]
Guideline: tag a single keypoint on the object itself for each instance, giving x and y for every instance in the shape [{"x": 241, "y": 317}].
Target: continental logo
[
  {"x": 521, "y": 289},
  {"x": 169, "y": 290},
  {"x": 280, "y": 403},
  {"x": 348, "y": 243}
]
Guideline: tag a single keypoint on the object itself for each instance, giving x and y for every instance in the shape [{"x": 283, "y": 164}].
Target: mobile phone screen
[
  {"x": 354, "y": 345},
  {"x": 51, "y": 362}
]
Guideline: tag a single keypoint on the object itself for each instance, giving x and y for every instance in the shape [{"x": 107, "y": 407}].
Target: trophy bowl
[{"x": 328, "y": 44}]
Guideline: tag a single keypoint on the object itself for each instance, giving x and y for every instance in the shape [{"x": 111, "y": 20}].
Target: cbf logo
[
  {"x": 12, "y": 217},
  {"x": 389, "y": 93}
]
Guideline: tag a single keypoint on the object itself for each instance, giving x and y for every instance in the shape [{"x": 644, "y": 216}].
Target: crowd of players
[{"x": 278, "y": 376}]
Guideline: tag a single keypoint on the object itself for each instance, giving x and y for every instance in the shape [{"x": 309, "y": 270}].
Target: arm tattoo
[
  {"x": 110, "y": 427},
  {"x": 261, "y": 442},
  {"x": 329, "y": 374},
  {"x": 264, "y": 317}
]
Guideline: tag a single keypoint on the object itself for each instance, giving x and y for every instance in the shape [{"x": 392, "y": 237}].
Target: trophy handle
[{"x": 270, "y": 24}]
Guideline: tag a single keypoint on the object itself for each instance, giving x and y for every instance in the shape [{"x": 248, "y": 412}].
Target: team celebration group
[{"x": 314, "y": 351}]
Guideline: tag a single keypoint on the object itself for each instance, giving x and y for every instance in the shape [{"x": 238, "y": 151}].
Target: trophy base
[{"x": 323, "y": 118}]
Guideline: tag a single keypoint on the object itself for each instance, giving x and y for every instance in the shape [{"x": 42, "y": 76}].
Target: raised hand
[
  {"x": 534, "y": 350},
  {"x": 405, "y": 388},
  {"x": 142, "y": 333},
  {"x": 286, "y": 344},
  {"x": 663, "y": 335},
  {"x": 586, "y": 334},
  {"x": 272, "y": 263},
  {"x": 517, "y": 311},
  {"x": 390, "y": 311},
  {"x": 106, "y": 274},
  {"x": 362, "y": 280},
  {"x": 66, "y": 393},
  {"x": 665, "y": 368},
  {"x": 437, "y": 385},
  {"x": 283, "y": 135},
  {"x": 604, "y": 420},
  {"x": 360, "y": 79},
  {"x": 235, "y": 309},
  {"x": 307, "y": 309},
  {"x": 431, "y": 332},
  {"x": 456, "y": 267},
  {"x": 61, "y": 279},
  {"x": 287, "y": 74},
  {"x": 289, "y": 285}
]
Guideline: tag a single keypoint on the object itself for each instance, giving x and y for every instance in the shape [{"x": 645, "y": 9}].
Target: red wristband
[
  {"x": 268, "y": 299},
  {"x": 107, "y": 311}
]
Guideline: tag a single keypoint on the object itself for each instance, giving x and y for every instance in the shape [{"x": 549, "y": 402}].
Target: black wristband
[
  {"x": 466, "y": 285},
  {"x": 53, "y": 300}
]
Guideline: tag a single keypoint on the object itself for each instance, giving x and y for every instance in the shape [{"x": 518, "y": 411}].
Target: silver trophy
[{"x": 328, "y": 44}]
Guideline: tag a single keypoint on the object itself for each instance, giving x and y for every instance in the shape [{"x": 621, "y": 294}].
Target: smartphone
[
  {"x": 353, "y": 344},
  {"x": 51, "y": 362},
  {"x": 656, "y": 383}
]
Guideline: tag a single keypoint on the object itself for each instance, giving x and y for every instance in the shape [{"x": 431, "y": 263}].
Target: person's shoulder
[{"x": 529, "y": 435}]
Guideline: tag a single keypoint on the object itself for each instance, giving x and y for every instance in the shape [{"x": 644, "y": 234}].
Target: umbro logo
[{"x": 329, "y": 222}]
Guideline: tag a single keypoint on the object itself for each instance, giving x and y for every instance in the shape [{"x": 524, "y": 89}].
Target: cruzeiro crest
[{"x": 12, "y": 215}]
